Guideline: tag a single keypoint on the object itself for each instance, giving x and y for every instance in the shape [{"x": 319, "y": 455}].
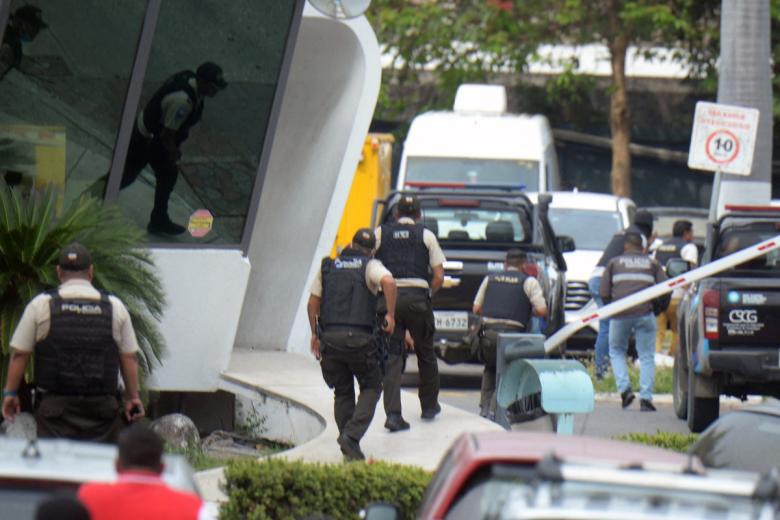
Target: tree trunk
[{"x": 619, "y": 113}]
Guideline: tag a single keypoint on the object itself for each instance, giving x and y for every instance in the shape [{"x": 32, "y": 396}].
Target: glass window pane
[
  {"x": 64, "y": 69},
  {"x": 207, "y": 97}
]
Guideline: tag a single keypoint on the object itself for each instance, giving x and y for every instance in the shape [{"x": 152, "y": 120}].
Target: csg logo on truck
[{"x": 743, "y": 316}]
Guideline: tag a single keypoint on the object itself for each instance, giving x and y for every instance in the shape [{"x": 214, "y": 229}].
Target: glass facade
[{"x": 189, "y": 153}]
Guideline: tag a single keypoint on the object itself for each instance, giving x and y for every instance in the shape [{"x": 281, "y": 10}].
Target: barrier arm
[{"x": 555, "y": 341}]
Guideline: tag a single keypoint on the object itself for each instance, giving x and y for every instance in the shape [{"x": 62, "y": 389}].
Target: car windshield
[
  {"x": 739, "y": 236},
  {"x": 477, "y": 225},
  {"x": 520, "y": 174},
  {"x": 590, "y": 229}
]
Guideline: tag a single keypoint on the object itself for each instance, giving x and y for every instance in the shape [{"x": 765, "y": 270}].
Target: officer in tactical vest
[
  {"x": 505, "y": 300},
  {"x": 161, "y": 128},
  {"x": 643, "y": 225},
  {"x": 23, "y": 26},
  {"x": 345, "y": 330},
  {"x": 681, "y": 245},
  {"x": 412, "y": 253},
  {"x": 81, "y": 338}
]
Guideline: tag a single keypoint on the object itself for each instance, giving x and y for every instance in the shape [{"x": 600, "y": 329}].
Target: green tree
[
  {"x": 31, "y": 235},
  {"x": 458, "y": 40}
]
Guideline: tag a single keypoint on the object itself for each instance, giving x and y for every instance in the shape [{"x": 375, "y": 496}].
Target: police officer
[
  {"x": 81, "y": 338},
  {"x": 643, "y": 224},
  {"x": 681, "y": 245},
  {"x": 161, "y": 128},
  {"x": 416, "y": 260},
  {"x": 506, "y": 301},
  {"x": 343, "y": 303},
  {"x": 624, "y": 275},
  {"x": 23, "y": 26}
]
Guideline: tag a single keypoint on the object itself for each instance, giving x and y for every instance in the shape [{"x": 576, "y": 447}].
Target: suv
[
  {"x": 475, "y": 230},
  {"x": 728, "y": 322},
  {"x": 591, "y": 219}
]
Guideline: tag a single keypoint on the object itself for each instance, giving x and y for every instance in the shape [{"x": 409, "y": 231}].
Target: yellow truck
[{"x": 372, "y": 181}]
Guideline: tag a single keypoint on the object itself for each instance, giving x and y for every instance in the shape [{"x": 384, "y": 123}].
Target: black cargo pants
[
  {"x": 488, "y": 354},
  {"x": 413, "y": 312},
  {"x": 340, "y": 367}
]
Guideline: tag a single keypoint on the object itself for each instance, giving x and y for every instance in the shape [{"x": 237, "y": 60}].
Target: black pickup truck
[
  {"x": 729, "y": 324},
  {"x": 476, "y": 229}
]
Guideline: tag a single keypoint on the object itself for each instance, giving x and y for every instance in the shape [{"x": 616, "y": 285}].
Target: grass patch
[
  {"x": 663, "y": 379},
  {"x": 679, "y": 442}
]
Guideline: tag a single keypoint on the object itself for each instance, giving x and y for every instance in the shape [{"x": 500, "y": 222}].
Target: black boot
[
  {"x": 646, "y": 405},
  {"x": 627, "y": 397},
  {"x": 164, "y": 226},
  {"x": 396, "y": 423},
  {"x": 350, "y": 448}
]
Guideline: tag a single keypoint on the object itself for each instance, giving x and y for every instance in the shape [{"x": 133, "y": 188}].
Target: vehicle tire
[
  {"x": 702, "y": 411},
  {"x": 680, "y": 387}
]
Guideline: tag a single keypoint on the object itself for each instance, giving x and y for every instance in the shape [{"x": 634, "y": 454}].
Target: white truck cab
[{"x": 478, "y": 144}]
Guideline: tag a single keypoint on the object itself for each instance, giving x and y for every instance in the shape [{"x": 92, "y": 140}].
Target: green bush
[
  {"x": 679, "y": 442},
  {"x": 287, "y": 490}
]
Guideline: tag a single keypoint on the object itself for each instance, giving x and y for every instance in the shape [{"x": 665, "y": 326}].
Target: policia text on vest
[
  {"x": 81, "y": 339},
  {"x": 345, "y": 326}
]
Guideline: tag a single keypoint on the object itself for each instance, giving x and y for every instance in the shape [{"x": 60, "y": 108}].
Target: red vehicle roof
[{"x": 472, "y": 451}]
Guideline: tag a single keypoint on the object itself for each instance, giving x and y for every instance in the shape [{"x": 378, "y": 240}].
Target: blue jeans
[
  {"x": 601, "y": 350},
  {"x": 644, "y": 332}
]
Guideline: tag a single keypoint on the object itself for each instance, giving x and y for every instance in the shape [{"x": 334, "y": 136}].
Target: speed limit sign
[{"x": 723, "y": 138}]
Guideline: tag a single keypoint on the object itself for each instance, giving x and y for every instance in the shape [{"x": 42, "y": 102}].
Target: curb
[{"x": 614, "y": 397}]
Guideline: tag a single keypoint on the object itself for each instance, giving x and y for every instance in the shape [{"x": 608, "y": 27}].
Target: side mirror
[
  {"x": 676, "y": 266},
  {"x": 381, "y": 511},
  {"x": 565, "y": 244}
]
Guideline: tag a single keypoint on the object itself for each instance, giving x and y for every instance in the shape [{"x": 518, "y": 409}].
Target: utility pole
[{"x": 745, "y": 80}]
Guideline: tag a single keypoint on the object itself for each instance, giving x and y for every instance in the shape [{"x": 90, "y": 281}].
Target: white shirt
[
  {"x": 435, "y": 254},
  {"x": 36, "y": 319}
]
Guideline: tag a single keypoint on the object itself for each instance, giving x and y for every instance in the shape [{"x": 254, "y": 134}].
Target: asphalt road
[{"x": 460, "y": 388}]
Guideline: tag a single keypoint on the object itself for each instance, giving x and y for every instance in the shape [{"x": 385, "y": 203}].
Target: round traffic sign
[{"x": 722, "y": 146}]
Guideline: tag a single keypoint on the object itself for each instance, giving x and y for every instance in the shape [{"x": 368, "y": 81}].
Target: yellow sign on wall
[{"x": 32, "y": 155}]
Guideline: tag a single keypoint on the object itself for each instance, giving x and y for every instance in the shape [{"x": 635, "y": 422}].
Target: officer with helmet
[
  {"x": 413, "y": 254},
  {"x": 342, "y": 311},
  {"x": 506, "y": 300},
  {"x": 81, "y": 338}
]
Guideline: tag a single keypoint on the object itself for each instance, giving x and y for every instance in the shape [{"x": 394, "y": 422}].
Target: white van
[{"x": 479, "y": 145}]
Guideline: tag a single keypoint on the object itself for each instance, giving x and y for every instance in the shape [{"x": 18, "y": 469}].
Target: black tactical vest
[
  {"x": 79, "y": 356},
  {"x": 505, "y": 297},
  {"x": 402, "y": 250},
  {"x": 347, "y": 304},
  {"x": 669, "y": 249},
  {"x": 616, "y": 246},
  {"x": 153, "y": 113}
]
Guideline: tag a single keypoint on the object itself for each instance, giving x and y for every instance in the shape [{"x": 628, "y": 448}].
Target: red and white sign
[
  {"x": 200, "y": 223},
  {"x": 723, "y": 138}
]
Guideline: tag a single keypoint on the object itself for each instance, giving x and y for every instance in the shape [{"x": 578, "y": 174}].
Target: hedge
[
  {"x": 679, "y": 442},
  {"x": 289, "y": 490}
]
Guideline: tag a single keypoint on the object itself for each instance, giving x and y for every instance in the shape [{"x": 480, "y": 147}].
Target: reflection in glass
[
  {"x": 63, "y": 80},
  {"x": 207, "y": 97}
]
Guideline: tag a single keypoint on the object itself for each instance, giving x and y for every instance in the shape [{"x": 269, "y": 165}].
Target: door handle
[{"x": 450, "y": 281}]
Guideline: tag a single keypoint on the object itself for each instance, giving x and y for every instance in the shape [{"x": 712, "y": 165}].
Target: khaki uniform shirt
[
  {"x": 36, "y": 319},
  {"x": 435, "y": 254},
  {"x": 375, "y": 271}
]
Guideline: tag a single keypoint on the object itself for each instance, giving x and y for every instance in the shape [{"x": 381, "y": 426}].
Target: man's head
[
  {"x": 634, "y": 243},
  {"x": 29, "y": 22},
  {"x": 683, "y": 229},
  {"x": 74, "y": 262},
  {"x": 364, "y": 240},
  {"x": 209, "y": 78},
  {"x": 140, "y": 448},
  {"x": 515, "y": 258},
  {"x": 644, "y": 221},
  {"x": 408, "y": 206}
]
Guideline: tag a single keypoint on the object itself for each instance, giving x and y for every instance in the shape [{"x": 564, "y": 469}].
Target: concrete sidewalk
[{"x": 297, "y": 379}]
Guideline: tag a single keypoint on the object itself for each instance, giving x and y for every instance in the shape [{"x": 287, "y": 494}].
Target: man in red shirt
[{"x": 139, "y": 491}]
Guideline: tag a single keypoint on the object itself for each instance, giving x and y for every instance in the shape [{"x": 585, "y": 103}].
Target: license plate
[{"x": 451, "y": 320}]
